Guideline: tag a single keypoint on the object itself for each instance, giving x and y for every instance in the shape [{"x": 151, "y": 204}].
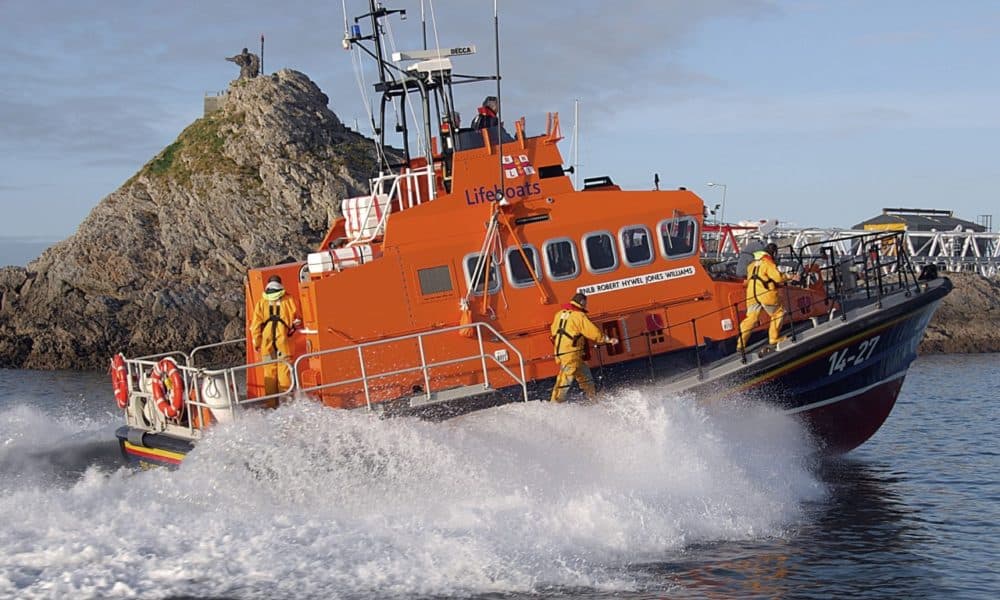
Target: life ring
[
  {"x": 168, "y": 388},
  {"x": 119, "y": 379}
]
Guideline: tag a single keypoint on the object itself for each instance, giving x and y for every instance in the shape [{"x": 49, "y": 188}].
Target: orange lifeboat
[{"x": 493, "y": 224}]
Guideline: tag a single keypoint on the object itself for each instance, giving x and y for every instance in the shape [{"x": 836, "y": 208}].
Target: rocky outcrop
[
  {"x": 159, "y": 263},
  {"x": 968, "y": 319}
]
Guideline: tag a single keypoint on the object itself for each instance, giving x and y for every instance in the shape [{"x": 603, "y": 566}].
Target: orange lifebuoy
[
  {"x": 119, "y": 379},
  {"x": 168, "y": 388}
]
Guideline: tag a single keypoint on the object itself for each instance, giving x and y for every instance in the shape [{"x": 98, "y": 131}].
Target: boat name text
[
  {"x": 639, "y": 280},
  {"x": 483, "y": 194}
]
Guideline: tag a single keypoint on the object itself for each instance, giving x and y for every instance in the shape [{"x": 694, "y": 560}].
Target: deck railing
[
  {"x": 869, "y": 264},
  {"x": 416, "y": 180},
  {"x": 425, "y": 367},
  {"x": 220, "y": 393}
]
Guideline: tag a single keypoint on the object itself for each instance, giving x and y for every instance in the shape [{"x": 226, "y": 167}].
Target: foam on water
[
  {"x": 42, "y": 448},
  {"x": 310, "y": 502}
]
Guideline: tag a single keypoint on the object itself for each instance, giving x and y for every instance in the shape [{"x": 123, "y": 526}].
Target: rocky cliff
[
  {"x": 160, "y": 262},
  {"x": 968, "y": 319}
]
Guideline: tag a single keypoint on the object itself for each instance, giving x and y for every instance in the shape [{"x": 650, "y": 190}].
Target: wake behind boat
[{"x": 433, "y": 294}]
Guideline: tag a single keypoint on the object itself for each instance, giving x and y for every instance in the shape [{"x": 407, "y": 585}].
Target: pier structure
[
  {"x": 968, "y": 251},
  {"x": 971, "y": 251}
]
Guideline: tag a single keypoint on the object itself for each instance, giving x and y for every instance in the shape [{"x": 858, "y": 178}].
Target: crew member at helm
[
  {"x": 763, "y": 279},
  {"x": 274, "y": 321},
  {"x": 487, "y": 117},
  {"x": 569, "y": 328}
]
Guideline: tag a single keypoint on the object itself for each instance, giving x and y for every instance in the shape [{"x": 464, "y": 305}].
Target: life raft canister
[
  {"x": 812, "y": 277},
  {"x": 119, "y": 379},
  {"x": 168, "y": 388}
]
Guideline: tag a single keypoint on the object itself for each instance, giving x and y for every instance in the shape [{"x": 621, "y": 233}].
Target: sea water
[{"x": 643, "y": 495}]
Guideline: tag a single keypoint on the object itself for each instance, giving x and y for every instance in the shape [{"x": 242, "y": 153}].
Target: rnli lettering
[
  {"x": 640, "y": 280},
  {"x": 483, "y": 194}
]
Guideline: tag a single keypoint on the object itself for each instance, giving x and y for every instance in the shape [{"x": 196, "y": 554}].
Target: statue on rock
[{"x": 249, "y": 64}]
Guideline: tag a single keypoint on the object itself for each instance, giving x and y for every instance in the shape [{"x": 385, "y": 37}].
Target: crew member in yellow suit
[
  {"x": 569, "y": 328},
  {"x": 274, "y": 321},
  {"x": 763, "y": 279}
]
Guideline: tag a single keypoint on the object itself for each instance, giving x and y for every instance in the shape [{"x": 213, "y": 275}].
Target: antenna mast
[
  {"x": 496, "y": 42},
  {"x": 387, "y": 80},
  {"x": 576, "y": 142}
]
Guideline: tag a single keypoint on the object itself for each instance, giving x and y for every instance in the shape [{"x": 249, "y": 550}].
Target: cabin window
[
  {"x": 476, "y": 285},
  {"x": 599, "y": 252},
  {"x": 678, "y": 237},
  {"x": 434, "y": 280},
  {"x": 560, "y": 259},
  {"x": 636, "y": 245},
  {"x": 517, "y": 270}
]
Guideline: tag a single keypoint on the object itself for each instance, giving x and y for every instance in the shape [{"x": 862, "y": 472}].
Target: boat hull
[
  {"x": 842, "y": 380},
  {"x": 144, "y": 449},
  {"x": 845, "y": 384}
]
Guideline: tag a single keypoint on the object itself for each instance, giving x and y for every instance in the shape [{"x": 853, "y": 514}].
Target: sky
[{"x": 816, "y": 113}]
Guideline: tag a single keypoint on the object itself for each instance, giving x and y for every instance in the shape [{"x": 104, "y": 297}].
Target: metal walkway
[{"x": 950, "y": 250}]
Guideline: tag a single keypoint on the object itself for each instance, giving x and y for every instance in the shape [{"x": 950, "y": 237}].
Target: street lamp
[{"x": 722, "y": 216}]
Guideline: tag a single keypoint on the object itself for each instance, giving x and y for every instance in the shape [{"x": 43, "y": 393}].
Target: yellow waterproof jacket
[
  {"x": 569, "y": 327},
  {"x": 272, "y": 324},
  {"x": 763, "y": 279}
]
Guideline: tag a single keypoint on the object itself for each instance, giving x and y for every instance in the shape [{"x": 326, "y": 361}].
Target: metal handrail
[
  {"x": 230, "y": 373},
  {"x": 193, "y": 379},
  {"x": 424, "y": 367},
  {"x": 901, "y": 264},
  {"x": 215, "y": 345},
  {"x": 394, "y": 195},
  {"x": 154, "y": 358}
]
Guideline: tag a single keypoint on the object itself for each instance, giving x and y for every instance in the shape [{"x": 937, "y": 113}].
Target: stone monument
[{"x": 249, "y": 64}]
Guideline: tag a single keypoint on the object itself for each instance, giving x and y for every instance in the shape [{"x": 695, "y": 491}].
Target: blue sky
[{"x": 818, "y": 113}]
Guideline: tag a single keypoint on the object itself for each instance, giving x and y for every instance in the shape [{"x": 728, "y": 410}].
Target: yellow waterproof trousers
[
  {"x": 277, "y": 376},
  {"x": 775, "y": 311},
  {"x": 571, "y": 366}
]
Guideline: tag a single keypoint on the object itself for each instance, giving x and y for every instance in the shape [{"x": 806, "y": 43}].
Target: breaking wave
[{"x": 310, "y": 502}]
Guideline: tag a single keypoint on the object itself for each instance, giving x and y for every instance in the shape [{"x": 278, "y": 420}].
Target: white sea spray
[{"x": 310, "y": 502}]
